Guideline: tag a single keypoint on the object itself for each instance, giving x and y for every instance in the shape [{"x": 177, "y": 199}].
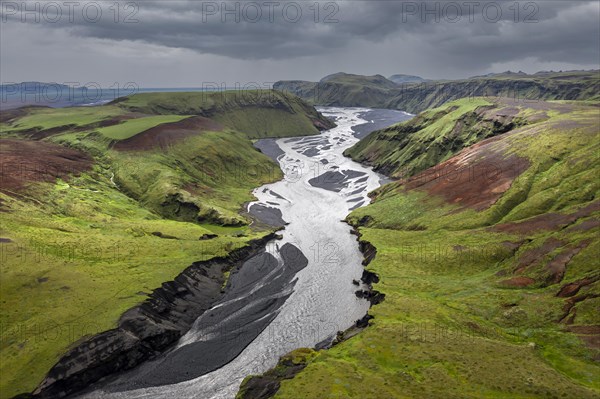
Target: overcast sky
[{"x": 192, "y": 43}]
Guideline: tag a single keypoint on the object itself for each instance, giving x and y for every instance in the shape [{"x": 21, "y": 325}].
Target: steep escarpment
[
  {"x": 487, "y": 262},
  {"x": 417, "y": 98},
  {"x": 366, "y": 91}
]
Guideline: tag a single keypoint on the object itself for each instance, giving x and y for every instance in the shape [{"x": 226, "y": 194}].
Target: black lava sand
[
  {"x": 227, "y": 329},
  {"x": 380, "y": 118},
  {"x": 267, "y": 215},
  {"x": 269, "y": 147},
  {"x": 334, "y": 180}
]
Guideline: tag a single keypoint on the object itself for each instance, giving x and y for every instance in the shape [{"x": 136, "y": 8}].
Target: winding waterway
[{"x": 299, "y": 293}]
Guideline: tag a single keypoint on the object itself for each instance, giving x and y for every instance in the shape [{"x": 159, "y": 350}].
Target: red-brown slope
[
  {"x": 162, "y": 136},
  {"x": 23, "y": 162},
  {"x": 474, "y": 178}
]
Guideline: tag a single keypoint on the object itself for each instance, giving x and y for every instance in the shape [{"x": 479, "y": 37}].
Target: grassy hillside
[
  {"x": 43, "y": 118},
  {"x": 132, "y": 127},
  {"x": 488, "y": 263},
  {"x": 434, "y": 135},
  {"x": 101, "y": 205},
  {"x": 370, "y": 91},
  {"x": 257, "y": 113}
]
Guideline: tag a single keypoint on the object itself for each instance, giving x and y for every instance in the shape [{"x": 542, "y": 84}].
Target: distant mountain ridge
[
  {"x": 349, "y": 90},
  {"x": 28, "y": 84},
  {"x": 401, "y": 78},
  {"x": 348, "y": 78}
]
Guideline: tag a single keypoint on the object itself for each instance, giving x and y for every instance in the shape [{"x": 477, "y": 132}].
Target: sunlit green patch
[
  {"x": 256, "y": 113},
  {"x": 131, "y": 127},
  {"x": 47, "y": 118}
]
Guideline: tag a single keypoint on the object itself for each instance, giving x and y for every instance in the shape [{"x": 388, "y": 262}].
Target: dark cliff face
[
  {"x": 416, "y": 98},
  {"x": 148, "y": 329}
]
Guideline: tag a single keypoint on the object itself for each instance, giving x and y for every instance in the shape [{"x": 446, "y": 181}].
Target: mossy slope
[{"x": 433, "y": 136}]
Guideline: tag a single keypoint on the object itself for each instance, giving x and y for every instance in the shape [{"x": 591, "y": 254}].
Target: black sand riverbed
[
  {"x": 254, "y": 295},
  {"x": 378, "y": 119}
]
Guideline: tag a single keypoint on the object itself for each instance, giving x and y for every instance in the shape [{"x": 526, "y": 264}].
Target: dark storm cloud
[
  {"x": 181, "y": 43},
  {"x": 481, "y": 32}
]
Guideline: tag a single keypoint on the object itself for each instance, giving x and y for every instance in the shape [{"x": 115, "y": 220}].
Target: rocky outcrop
[
  {"x": 368, "y": 278},
  {"x": 149, "y": 328},
  {"x": 266, "y": 386},
  {"x": 369, "y": 252}
]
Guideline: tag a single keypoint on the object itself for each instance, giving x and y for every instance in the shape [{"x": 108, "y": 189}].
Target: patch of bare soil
[
  {"x": 590, "y": 335},
  {"x": 571, "y": 289},
  {"x": 569, "y": 309},
  {"x": 532, "y": 261},
  {"x": 586, "y": 225},
  {"x": 23, "y": 162},
  {"x": 556, "y": 268},
  {"x": 164, "y": 135},
  {"x": 584, "y": 329},
  {"x": 474, "y": 178},
  {"x": 534, "y": 255}
]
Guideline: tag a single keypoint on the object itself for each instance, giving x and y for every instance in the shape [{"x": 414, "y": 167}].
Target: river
[{"x": 298, "y": 294}]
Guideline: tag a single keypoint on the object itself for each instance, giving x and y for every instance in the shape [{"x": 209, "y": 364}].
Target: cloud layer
[{"x": 173, "y": 43}]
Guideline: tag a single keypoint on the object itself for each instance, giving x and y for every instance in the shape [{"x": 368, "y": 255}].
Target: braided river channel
[{"x": 299, "y": 292}]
